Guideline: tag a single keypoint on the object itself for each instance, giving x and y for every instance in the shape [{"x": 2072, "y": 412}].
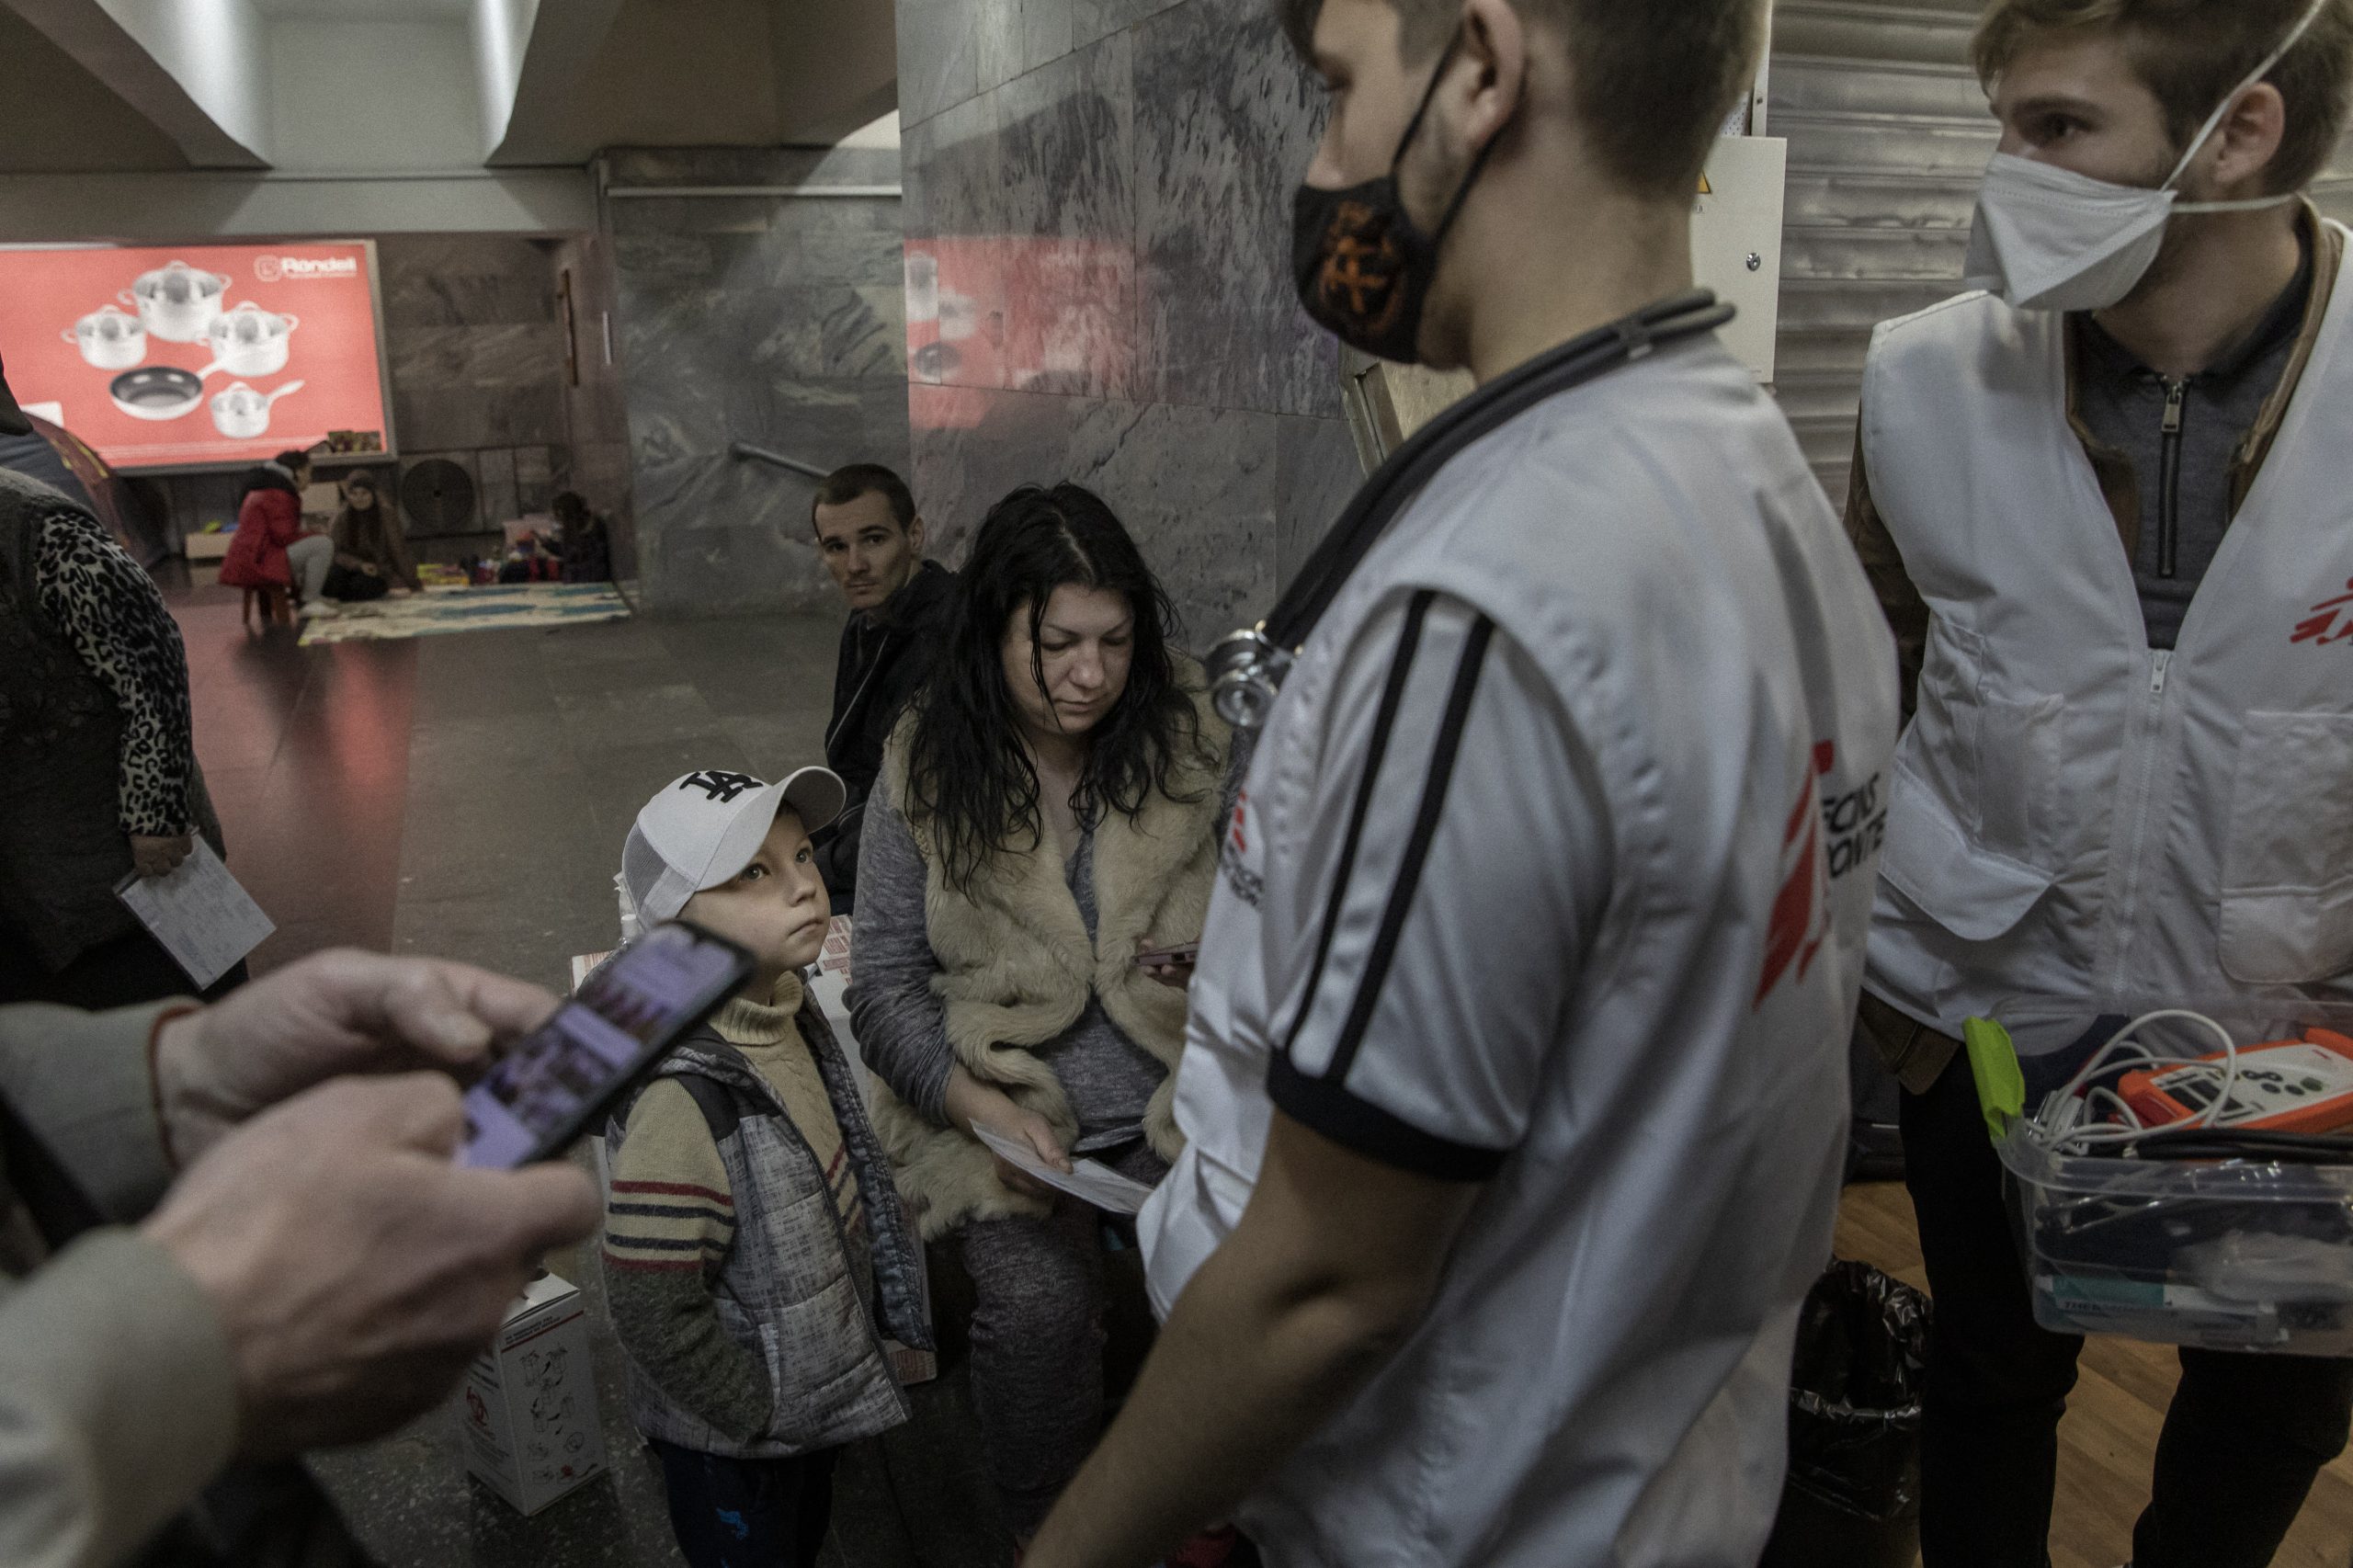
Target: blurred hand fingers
[
  {"x": 528, "y": 1212},
  {"x": 450, "y": 1013}
]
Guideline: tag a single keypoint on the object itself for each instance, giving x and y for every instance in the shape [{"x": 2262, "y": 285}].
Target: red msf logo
[
  {"x": 1800, "y": 920},
  {"x": 1240, "y": 822},
  {"x": 2327, "y": 621}
]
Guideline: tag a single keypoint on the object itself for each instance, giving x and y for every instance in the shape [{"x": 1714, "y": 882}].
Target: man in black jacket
[{"x": 872, "y": 541}]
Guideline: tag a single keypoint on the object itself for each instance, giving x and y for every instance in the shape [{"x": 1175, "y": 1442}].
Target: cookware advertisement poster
[{"x": 188, "y": 356}]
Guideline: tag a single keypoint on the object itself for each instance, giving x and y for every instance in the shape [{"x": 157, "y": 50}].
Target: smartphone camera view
[{"x": 544, "y": 1092}]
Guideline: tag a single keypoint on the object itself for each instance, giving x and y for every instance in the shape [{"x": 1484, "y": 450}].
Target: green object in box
[{"x": 1993, "y": 1063}]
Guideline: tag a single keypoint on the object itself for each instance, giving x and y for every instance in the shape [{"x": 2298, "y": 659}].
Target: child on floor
[{"x": 753, "y": 1319}]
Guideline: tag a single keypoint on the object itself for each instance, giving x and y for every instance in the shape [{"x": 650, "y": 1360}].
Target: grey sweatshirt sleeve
[{"x": 901, "y": 1024}]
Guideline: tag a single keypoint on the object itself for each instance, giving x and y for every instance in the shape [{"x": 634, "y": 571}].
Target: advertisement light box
[{"x": 182, "y": 356}]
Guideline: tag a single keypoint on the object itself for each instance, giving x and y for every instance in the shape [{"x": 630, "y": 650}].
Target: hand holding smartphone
[{"x": 565, "y": 1077}]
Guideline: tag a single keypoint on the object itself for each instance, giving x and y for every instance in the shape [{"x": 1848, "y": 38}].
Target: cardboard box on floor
[{"x": 529, "y": 1404}]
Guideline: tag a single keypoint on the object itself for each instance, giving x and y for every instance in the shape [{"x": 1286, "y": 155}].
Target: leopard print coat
[{"x": 112, "y": 613}]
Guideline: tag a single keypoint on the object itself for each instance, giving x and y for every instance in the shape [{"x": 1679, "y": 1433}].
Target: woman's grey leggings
[
  {"x": 1038, "y": 1346},
  {"x": 308, "y": 560}
]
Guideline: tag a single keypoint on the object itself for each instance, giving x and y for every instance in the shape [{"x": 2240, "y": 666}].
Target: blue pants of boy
[{"x": 730, "y": 1512}]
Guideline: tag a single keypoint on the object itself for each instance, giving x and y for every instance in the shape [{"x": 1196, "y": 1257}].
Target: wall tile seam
[{"x": 1134, "y": 401}]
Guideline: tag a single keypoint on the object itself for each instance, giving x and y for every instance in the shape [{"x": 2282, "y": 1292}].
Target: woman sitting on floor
[{"x": 370, "y": 555}]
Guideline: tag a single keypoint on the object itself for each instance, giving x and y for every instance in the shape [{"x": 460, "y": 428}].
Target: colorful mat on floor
[{"x": 438, "y": 610}]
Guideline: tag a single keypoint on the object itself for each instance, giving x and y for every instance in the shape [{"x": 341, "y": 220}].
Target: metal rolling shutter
[{"x": 1888, "y": 134}]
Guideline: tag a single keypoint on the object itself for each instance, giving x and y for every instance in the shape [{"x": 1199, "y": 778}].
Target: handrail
[{"x": 744, "y": 452}]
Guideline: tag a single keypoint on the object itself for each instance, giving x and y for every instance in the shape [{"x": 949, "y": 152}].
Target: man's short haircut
[
  {"x": 1656, "y": 79},
  {"x": 844, "y": 485},
  {"x": 2190, "y": 53},
  {"x": 291, "y": 459}
]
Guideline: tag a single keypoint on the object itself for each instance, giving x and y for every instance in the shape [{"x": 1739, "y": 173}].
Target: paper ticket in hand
[
  {"x": 199, "y": 913},
  {"x": 1090, "y": 1181}
]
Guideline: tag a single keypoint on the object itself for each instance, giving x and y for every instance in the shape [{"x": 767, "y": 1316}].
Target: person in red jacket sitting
[{"x": 271, "y": 548}]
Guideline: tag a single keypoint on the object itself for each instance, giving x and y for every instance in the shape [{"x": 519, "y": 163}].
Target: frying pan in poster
[{"x": 157, "y": 392}]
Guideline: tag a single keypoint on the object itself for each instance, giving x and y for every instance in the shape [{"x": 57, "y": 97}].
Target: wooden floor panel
[{"x": 2110, "y": 1433}]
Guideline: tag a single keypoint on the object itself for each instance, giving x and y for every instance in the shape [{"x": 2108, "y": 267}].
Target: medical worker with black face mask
[
  {"x": 2107, "y": 504},
  {"x": 1514, "y": 1089}
]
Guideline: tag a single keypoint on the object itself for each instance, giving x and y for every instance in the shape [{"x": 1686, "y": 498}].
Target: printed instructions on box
[
  {"x": 1090, "y": 1181},
  {"x": 205, "y": 919}
]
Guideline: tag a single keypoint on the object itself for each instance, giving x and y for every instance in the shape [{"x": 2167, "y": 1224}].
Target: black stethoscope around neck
[{"x": 1247, "y": 671}]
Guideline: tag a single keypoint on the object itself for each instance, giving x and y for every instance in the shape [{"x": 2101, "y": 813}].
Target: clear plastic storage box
[{"x": 2246, "y": 1253}]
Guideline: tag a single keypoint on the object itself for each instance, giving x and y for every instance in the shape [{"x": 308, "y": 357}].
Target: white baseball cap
[{"x": 703, "y": 829}]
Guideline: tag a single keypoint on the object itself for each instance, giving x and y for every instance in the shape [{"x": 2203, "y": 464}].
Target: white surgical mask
[{"x": 2051, "y": 239}]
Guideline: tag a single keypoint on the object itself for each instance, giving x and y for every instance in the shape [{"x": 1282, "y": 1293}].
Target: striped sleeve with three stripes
[
  {"x": 1441, "y": 904},
  {"x": 669, "y": 1208}
]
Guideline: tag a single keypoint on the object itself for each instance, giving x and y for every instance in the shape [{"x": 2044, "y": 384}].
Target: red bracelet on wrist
[{"x": 155, "y": 1077}]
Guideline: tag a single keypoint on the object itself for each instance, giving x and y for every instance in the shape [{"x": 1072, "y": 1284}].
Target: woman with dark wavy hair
[{"x": 1049, "y": 807}]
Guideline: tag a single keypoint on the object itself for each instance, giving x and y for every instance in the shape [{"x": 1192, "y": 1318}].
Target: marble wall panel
[
  {"x": 595, "y": 460},
  {"x": 1098, "y": 249},
  {"x": 1226, "y": 121},
  {"x": 772, "y": 320},
  {"x": 938, "y": 50},
  {"x": 463, "y": 280},
  {"x": 1091, "y": 20},
  {"x": 640, "y": 166}
]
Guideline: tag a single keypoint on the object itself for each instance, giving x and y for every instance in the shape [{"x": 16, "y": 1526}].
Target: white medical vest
[{"x": 2075, "y": 815}]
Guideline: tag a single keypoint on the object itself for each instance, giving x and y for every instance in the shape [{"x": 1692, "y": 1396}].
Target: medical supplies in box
[
  {"x": 529, "y": 1404},
  {"x": 2167, "y": 1190}
]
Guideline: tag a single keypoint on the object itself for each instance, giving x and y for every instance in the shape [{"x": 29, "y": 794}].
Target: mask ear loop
[
  {"x": 1478, "y": 160},
  {"x": 1430, "y": 95},
  {"x": 2221, "y": 112}
]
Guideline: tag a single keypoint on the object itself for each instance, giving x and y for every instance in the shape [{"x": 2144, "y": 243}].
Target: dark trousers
[
  {"x": 2244, "y": 1440},
  {"x": 121, "y": 974},
  {"x": 732, "y": 1513}
]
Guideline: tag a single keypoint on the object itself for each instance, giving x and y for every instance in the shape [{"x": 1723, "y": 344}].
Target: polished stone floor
[{"x": 467, "y": 796}]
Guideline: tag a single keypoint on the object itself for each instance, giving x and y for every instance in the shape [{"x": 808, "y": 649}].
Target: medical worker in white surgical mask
[{"x": 2107, "y": 501}]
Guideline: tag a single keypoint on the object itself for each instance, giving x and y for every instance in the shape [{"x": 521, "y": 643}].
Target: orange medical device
[{"x": 2287, "y": 1085}]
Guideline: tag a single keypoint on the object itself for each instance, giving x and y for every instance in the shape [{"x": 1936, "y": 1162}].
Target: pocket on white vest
[
  {"x": 1974, "y": 895},
  {"x": 2287, "y": 895}
]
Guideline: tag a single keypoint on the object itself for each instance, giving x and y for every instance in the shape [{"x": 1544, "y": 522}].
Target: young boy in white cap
[{"x": 752, "y": 1317}]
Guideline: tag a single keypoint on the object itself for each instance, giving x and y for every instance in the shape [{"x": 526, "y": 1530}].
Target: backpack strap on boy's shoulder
[{"x": 723, "y": 1104}]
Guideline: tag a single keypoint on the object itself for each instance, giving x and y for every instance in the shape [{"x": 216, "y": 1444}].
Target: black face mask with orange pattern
[{"x": 1364, "y": 267}]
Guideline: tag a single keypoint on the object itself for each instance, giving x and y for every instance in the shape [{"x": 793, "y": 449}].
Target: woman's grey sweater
[{"x": 901, "y": 1025}]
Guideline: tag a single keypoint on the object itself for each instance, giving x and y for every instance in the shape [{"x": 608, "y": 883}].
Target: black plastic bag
[{"x": 1853, "y": 1493}]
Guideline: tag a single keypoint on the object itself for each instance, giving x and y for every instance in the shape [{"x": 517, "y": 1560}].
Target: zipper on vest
[
  {"x": 2160, "y": 671},
  {"x": 2169, "y": 481}
]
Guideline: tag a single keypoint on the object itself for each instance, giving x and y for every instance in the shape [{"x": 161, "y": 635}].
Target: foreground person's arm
[
  {"x": 319, "y": 1275},
  {"x": 118, "y": 1396},
  {"x": 1333, "y": 1264}
]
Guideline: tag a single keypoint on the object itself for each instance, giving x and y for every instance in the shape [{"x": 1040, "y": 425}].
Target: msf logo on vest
[
  {"x": 1827, "y": 838},
  {"x": 2327, "y": 621}
]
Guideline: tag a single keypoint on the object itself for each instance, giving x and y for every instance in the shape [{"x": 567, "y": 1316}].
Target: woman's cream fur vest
[{"x": 1016, "y": 970}]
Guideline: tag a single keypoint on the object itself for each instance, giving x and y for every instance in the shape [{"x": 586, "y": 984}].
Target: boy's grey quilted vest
[{"x": 785, "y": 1292}]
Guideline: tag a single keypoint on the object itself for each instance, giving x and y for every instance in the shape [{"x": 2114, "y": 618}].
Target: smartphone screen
[{"x": 557, "y": 1081}]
